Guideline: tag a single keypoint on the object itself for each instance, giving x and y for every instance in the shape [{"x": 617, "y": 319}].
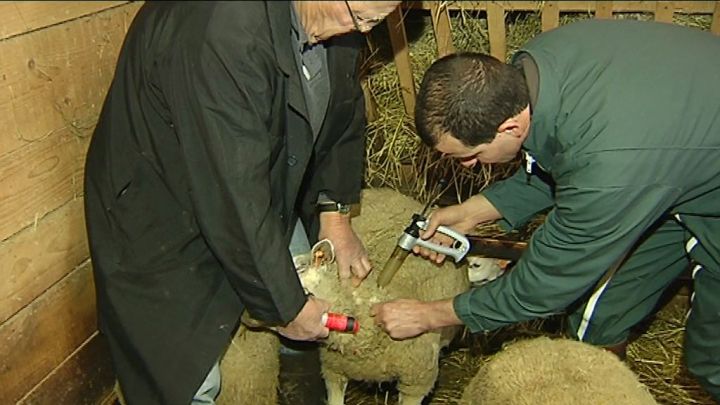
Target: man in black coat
[{"x": 224, "y": 124}]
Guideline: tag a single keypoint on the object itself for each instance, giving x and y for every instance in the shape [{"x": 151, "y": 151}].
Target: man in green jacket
[{"x": 619, "y": 124}]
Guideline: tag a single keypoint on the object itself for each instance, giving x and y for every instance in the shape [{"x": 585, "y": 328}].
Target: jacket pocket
[{"x": 152, "y": 226}]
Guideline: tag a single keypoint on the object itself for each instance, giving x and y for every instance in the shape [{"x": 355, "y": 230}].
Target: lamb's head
[
  {"x": 318, "y": 272},
  {"x": 317, "y": 269}
]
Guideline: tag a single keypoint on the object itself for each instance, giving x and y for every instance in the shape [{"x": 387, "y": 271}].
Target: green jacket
[{"x": 627, "y": 124}]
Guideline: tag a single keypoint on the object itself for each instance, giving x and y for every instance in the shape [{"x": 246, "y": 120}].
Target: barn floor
[{"x": 655, "y": 355}]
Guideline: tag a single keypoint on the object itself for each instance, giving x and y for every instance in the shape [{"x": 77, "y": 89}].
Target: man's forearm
[
  {"x": 441, "y": 314},
  {"x": 481, "y": 210}
]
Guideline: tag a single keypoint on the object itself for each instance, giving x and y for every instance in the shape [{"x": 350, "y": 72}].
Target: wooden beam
[
  {"x": 442, "y": 29},
  {"x": 41, "y": 336},
  {"x": 19, "y": 17},
  {"x": 686, "y": 7},
  {"x": 36, "y": 258},
  {"x": 550, "y": 17},
  {"x": 664, "y": 11},
  {"x": 86, "y": 377},
  {"x": 604, "y": 9},
  {"x": 401, "y": 50},
  {"x": 371, "y": 113},
  {"x": 715, "y": 26},
  {"x": 496, "y": 30}
]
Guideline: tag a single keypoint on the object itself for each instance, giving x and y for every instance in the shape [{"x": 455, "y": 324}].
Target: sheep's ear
[
  {"x": 323, "y": 253},
  {"x": 302, "y": 261}
]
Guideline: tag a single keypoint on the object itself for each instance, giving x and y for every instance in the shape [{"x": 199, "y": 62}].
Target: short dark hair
[{"x": 468, "y": 95}]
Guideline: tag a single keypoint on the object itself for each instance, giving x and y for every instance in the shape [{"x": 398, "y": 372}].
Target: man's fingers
[
  {"x": 344, "y": 270},
  {"x": 368, "y": 266},
  {"x": 361, "y": 267},
  {"x": 432, "y": 224}
]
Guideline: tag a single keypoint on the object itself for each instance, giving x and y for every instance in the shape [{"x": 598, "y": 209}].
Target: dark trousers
[{"x": 632, "y": 293}]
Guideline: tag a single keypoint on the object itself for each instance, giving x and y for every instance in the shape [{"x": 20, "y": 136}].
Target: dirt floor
[{"x": 655, "y": 355}]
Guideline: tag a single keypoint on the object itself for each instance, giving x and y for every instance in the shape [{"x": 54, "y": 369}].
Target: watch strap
[{"x": 333, "y": 206}]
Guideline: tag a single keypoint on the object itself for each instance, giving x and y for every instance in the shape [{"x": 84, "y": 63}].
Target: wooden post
[
  {"x": 442, "y": 28},
  {"x": 496, "y": 30},
  {"x": 401, "y": 50},
  {"x": 604, "y": 9},
  {"x": 664, "y": 11},
  {"x": 715, "y": 27},
  {"x": 371, "y": 113},
  {"x": 550, "y": 17}
]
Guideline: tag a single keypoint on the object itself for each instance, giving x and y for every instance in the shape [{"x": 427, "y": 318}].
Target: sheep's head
[{"x": 316, "y": 267}]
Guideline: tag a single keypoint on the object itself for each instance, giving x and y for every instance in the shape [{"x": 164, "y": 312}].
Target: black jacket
[{"x": 201, "y": 159}]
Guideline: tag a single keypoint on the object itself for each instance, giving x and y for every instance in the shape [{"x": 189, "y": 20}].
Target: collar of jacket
[
  {"x": 338, "y": 55},
  {"x": 280, "y": 28},
  {"x": 541, "y": 142}
]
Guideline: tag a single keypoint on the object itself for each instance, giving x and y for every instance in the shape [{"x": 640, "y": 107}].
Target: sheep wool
[
  {"x": 555, "y": 371},
  {"x": 371, "y": 355},
  {"x": 250, "y": 368}
]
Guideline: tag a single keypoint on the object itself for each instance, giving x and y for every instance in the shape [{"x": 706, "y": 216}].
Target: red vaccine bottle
[{"x": 340, "y": 322}]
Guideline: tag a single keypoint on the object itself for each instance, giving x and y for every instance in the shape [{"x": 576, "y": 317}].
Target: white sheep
[
  {"x": 555, "y": 372},
  {"x": 369, "y": 355}
]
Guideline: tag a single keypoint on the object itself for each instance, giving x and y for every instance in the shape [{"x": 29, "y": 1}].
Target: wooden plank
[
  {"x": 664, "y": 11},
  {"x": 39, "y": 179},
  {"x": 442, "y": 29},
  {"x": 54, "y": 82},
  {"x": 401, "y": 50},
  {"x": 715, "y": 26},
  {"x": 496, "y": 29},
  {"x": 85, "y": 378},
  {"x": 604, "y": 9},
  {"x": 42, "y": 335},
  {"x": 57, "y": 77},
  {"x": 36, "y": 258},
  {"x": 371, "y": 113},
  {"x": 19, "y": 17},
  {"x": 550, "y": 17},
  {"x": 687, "y": 7}
]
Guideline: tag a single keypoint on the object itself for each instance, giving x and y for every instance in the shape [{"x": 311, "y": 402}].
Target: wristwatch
[{"x": 333, "y": 206}]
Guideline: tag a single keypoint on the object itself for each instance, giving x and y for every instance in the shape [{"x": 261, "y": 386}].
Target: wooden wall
[{"x": 56, "y": 63}]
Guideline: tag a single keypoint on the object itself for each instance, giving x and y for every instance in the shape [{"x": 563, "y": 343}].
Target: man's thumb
[{"x": 432, "y": 226}]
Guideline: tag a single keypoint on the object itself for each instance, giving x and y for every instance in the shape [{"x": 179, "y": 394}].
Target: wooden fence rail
[{"x": 663, "y": 11}]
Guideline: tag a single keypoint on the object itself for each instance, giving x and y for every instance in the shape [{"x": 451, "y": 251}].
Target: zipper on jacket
[{"x": 529, "y": 161}]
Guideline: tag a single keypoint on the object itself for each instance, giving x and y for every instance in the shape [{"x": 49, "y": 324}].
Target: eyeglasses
[{"x": 358, "y": 21}]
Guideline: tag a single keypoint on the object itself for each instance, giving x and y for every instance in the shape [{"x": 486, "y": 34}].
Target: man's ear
[{"x": 510, "y": 126}]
